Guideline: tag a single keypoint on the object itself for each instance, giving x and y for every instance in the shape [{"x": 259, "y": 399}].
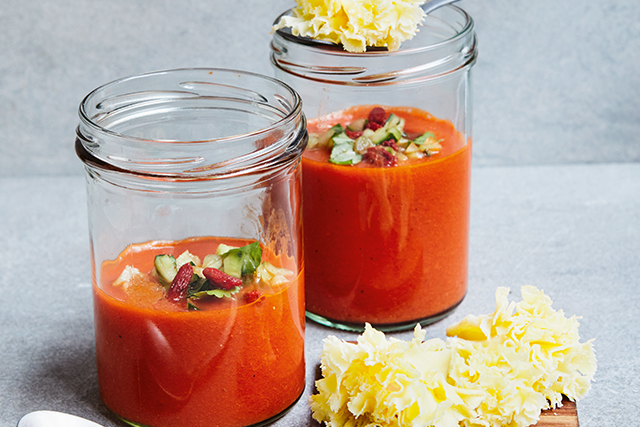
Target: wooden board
[{"x": 565, "y": 416}]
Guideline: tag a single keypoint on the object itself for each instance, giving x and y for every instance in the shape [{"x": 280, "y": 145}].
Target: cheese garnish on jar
[
  {"x": 498, "y": 369},
  {"x": 356, "y": 24}
]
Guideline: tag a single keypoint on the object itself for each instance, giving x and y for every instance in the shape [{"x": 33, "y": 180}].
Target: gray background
[
  {"x": 555, "y": 187},
  {"x": 557, "y": 81}
]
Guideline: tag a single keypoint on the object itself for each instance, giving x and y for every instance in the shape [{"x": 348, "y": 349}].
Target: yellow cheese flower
[
  {"x": 356, "y": 24},
  {"x": 493, "y": 370}
]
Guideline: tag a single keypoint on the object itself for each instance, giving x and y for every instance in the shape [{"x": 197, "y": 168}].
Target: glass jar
[
  {"x": 182, "y": 167},
  {"x": 386, "y": 245}
]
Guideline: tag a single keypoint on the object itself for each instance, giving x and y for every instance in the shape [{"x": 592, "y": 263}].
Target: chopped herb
[
  {"x": 342, "y": 138},
  {"x": 422, "y": 138},
  {"x": 343, "y": 154},
  {"x": 353, "y": 145},
  {"x": 219, "y": 293}
]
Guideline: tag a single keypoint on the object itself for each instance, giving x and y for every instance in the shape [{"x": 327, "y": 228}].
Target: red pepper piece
[
  {"x": 390, "y": 143},
  {"x": 220, "y": 279},
  {"x": 353, "y": 134},
  {"x": 180, "y": 284},
  {"x": 374, "y": 125},
  {"x": 380, "y": 157}
]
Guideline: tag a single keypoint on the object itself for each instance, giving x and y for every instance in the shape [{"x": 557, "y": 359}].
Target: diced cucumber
[
  {"x": 165, "y": 266},
  {"x": 357, "y": 125},
  {"x": 212, "y": 260},
  {"x": 222, "y": 249},
  {"x": 343, "y": 154},
  {"x": 395, "y": 133},
  {"x": 392, "y": 129},
  {"x": 186, "y": 257},
  {"x": 381, "y": 135},
  {"x": 392, "y": 121},
  {"x": 241, "y": 261},
  {"x": 232, "y": 264}
]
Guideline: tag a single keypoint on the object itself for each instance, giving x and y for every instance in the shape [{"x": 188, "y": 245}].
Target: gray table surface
[{"x": 571, "y": 230}]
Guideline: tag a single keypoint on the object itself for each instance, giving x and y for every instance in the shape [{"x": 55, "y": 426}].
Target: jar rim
[
  {"x": 335, "y": 49},
  {"x": 88, "y": 121},
  {"x": 215, "y": 123},
  {"x": 445, "y": 45}
]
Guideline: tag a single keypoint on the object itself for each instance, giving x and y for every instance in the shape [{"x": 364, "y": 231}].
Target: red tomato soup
[
  {"x": 233, "y": 362},
  {"x": 387, "y": 245}
]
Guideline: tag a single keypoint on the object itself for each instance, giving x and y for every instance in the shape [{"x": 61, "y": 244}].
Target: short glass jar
[
  {"x": 192, "y": 160},
  {"x": 386, "y": 245}
]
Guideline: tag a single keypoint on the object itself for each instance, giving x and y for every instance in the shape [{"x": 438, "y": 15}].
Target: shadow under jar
[
  {"x": 386, "y": 239},
  {"x": 196, "y": 170}
]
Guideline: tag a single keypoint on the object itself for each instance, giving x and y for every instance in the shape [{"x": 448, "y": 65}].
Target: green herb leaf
[
  {"x": 218, "y": 293},
  {"x": 337, "y": 129},
  {"x": 422, "y": 138},
  {"x": 196, "y": 283}
]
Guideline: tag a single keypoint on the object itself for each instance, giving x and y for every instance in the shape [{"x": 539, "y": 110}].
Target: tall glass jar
[
  {"x": 193, "y": 180},
  {"x": 386, "y": 245}
]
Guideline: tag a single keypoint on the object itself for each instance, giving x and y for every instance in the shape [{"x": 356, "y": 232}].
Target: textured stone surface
[
  {"x": 573, "y": 231},
  {"x": 556, "y": 81}
]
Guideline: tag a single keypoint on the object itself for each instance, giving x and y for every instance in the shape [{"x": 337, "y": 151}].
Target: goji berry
[
  {"x": 251, "y": 296},
  {"x": 180, "y": 284},
  {"x": 377, "y": 115},
  {"x": 220, "y": 279}
]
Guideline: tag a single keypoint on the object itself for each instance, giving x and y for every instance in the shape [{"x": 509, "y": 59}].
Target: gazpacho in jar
[
  {"x": 199, "y": 332},
  {"x": 386, "y": 217}
]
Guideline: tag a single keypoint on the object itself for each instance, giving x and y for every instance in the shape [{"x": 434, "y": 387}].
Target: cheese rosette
[
  {"x": 498, "y": 369},
  {"x": 356, "y": 24}
]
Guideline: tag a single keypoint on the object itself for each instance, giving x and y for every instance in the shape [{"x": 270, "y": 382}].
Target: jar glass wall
[
  {"x": 182, "y": 167},
  {"x": 386, "y": 245}
]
